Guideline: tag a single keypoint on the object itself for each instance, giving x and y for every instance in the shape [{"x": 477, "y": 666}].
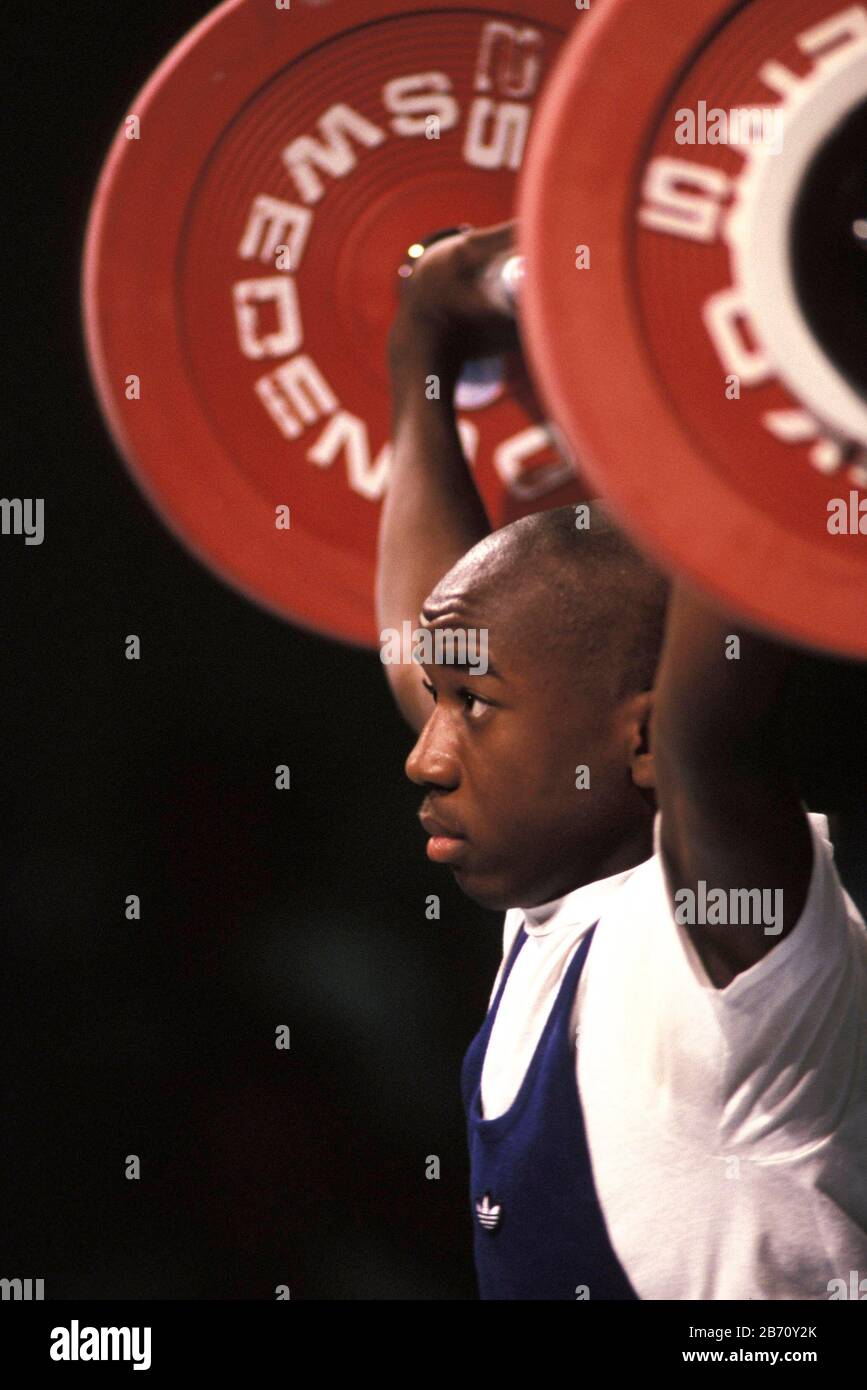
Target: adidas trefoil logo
[{"x": 489, "y": 1217}]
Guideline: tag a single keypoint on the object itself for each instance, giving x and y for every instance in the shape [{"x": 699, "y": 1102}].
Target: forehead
[
  {"x": 469, "y": 596},
  {"x": 514, "y": 616}
]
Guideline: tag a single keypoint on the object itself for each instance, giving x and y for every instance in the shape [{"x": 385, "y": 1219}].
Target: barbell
[{"x": 693, "y": 235}]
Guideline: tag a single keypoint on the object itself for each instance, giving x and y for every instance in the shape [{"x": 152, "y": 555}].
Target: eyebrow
[
  {"x": 465, "y": 669},
  {"x": 471, "y": 670},
  {"x": 432, "y": 620}
]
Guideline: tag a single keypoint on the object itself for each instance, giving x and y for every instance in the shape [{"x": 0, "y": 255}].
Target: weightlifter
[{"x": 668, "y": 1096}]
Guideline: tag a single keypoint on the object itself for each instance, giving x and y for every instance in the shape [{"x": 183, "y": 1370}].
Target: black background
[{"x": 156, "y": 777}]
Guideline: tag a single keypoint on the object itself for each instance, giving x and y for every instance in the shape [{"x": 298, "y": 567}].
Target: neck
[
  {"x": 627, "y": 855},
  {"x": 629, "y": 852}
]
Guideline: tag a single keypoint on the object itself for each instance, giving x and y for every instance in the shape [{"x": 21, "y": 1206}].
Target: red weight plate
[
  {"x": 264, "y": 385},
  {"x": 701, "y": 429}
]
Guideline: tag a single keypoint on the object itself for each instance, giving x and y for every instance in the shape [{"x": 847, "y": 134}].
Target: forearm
[{"x": 432, "y": 514}]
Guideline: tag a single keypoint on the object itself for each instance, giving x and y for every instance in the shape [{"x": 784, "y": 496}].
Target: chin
[{"x": 493, "y": 896}]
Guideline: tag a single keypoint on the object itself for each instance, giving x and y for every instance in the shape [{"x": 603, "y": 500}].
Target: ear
[{"x": 641, "y": 763}]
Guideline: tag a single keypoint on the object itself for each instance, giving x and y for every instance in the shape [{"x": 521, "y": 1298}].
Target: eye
[
  {"x": 430, "y": 690},
  {"x": 475, "y": 706}
]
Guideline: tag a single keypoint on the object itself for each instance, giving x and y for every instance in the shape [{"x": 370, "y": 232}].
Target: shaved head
[{"x": 585, "y": 601}]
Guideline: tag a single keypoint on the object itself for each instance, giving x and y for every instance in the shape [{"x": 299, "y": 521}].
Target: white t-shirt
[{"x": 727, "y": 1128}]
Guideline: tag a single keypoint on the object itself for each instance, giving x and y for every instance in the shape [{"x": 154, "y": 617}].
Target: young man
[{"x": 668, "y": 1097}]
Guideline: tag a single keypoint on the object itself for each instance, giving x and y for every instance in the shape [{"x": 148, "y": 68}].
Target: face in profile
[{"x": 497, "y": 762}]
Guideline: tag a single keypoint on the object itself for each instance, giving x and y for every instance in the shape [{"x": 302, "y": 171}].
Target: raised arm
[
  {"x": 432, "y": 513},
  {"x": 732, "y": 818}
]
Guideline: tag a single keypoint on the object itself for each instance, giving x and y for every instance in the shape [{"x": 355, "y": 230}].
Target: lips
[
  {"x": 435, "y": 826},
  {"x": 446, "y": 842}
]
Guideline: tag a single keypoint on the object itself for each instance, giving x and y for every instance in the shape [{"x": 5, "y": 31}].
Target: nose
[{"x": 432, "y": 762}]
